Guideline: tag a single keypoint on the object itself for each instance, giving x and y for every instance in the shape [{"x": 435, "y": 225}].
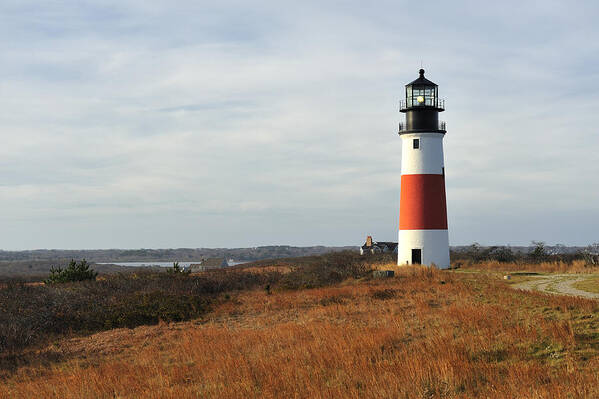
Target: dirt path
[{"x": 558, "y": 284}]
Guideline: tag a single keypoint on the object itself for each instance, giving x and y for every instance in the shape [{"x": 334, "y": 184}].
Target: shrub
[
  {"x": 539, "y": 253},
  {"x": 329, "y": 269},
  {"x": 502, "y": 254},
  {"x": 383, "y": 294},
  {"x": 33, "y": 314},
  {"x": 176, "y": 269},
  {"x": 76, "y": 271},
  {"x": 477, "y": 253}
]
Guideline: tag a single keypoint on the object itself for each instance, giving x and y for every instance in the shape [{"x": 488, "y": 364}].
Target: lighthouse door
[{"x": 417, "y": 256}]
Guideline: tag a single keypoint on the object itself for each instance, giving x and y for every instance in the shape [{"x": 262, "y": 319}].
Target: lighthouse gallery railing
[
  {"x": 442, "y": 125},
  {"x": 428, "y": 102}
]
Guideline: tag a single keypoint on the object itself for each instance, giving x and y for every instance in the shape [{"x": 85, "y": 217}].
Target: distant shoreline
[
  {"x": 162, "y": 264},
  {"x": 169, "y": 255}
]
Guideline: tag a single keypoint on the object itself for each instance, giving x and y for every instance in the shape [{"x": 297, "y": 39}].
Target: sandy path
[{"x": 558, "y": 284}]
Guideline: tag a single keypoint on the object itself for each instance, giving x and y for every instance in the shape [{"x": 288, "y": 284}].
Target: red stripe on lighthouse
[{"x": 422, "y": 203}]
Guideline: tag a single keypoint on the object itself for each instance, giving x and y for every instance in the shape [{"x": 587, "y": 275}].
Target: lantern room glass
[{"x": 421, "y": 96}]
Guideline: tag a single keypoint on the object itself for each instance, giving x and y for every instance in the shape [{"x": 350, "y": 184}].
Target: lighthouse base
[{"x": 424, "y": 247}]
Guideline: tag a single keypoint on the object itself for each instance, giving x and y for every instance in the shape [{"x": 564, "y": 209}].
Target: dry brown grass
[
  {"x": 423, "y": 334},
  {"x": 283, "y": 269},
  {"x": 576, "y": 266}
]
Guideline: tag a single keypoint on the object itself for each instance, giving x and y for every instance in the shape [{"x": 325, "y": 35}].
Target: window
[
  {"x": 416, "y": 144},
  {"x": 427, "y": 95}
]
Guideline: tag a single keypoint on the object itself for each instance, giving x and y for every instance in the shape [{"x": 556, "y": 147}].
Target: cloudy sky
[{"x": 158, "y": 124}]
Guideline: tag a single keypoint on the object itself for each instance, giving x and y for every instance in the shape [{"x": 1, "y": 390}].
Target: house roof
[
  {"x": 380, "y": 244},
  {"x": 214, "y": 262},
  {"x": 387, "y": 243}
]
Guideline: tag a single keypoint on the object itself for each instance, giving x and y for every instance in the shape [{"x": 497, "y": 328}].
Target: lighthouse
[{"x": 423, "y": 237}]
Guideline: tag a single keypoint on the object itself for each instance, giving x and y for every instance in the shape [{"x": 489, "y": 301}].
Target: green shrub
[
  {"x": 76, "y": 271},
  {"x": 176, "y": 269},
  {"x": 539, "y": 253}
]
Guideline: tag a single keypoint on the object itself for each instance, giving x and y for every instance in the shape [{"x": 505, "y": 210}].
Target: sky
[{"x": 136, "y": 124}]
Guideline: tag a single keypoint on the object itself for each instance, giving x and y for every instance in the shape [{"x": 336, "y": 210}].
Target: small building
[
  {"x": 209, "y": 264},
  {"x": 377, "y": 247}
]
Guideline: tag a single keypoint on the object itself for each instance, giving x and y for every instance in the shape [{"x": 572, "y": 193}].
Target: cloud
[{"x": 136, "y": 124}]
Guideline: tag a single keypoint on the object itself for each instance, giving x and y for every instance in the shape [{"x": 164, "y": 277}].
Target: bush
[
  {"x": 330, "y": 269},
  {"x": 383, "y": 294},
  {"x": 477, "y": 253},
  {"x": 33, "y": 314},
  {"x": 539, "y": 253},
  {"x": 176, "y": 269},
  {"x": 76, "y": 271}
]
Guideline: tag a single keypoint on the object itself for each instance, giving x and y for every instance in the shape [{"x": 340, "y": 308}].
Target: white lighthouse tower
[{"x": 423, "y": 237}]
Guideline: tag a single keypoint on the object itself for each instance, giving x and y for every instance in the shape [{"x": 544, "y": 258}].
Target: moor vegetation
[
  {"x": 33, "y": 313},
  {"x": 36, "y": 270},
  {"x": 538, "y": 258},
  {"x": 319, "y": 327}
]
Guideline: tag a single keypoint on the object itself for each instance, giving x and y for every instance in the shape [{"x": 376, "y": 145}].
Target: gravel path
[{"x": 557, "y": 284}]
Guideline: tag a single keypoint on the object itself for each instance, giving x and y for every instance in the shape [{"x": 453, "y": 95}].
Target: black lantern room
[{"x": 422, "y": 107}]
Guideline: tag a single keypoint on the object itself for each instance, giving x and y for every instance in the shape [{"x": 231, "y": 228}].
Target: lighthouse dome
[
  {"x": 422, "y": 80},
  {"x": 422, "y": 93}
]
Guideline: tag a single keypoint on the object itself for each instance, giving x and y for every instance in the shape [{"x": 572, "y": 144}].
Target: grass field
[
  {"x": 590, "y": 285},
  {"x": 421, "y": 334}
]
